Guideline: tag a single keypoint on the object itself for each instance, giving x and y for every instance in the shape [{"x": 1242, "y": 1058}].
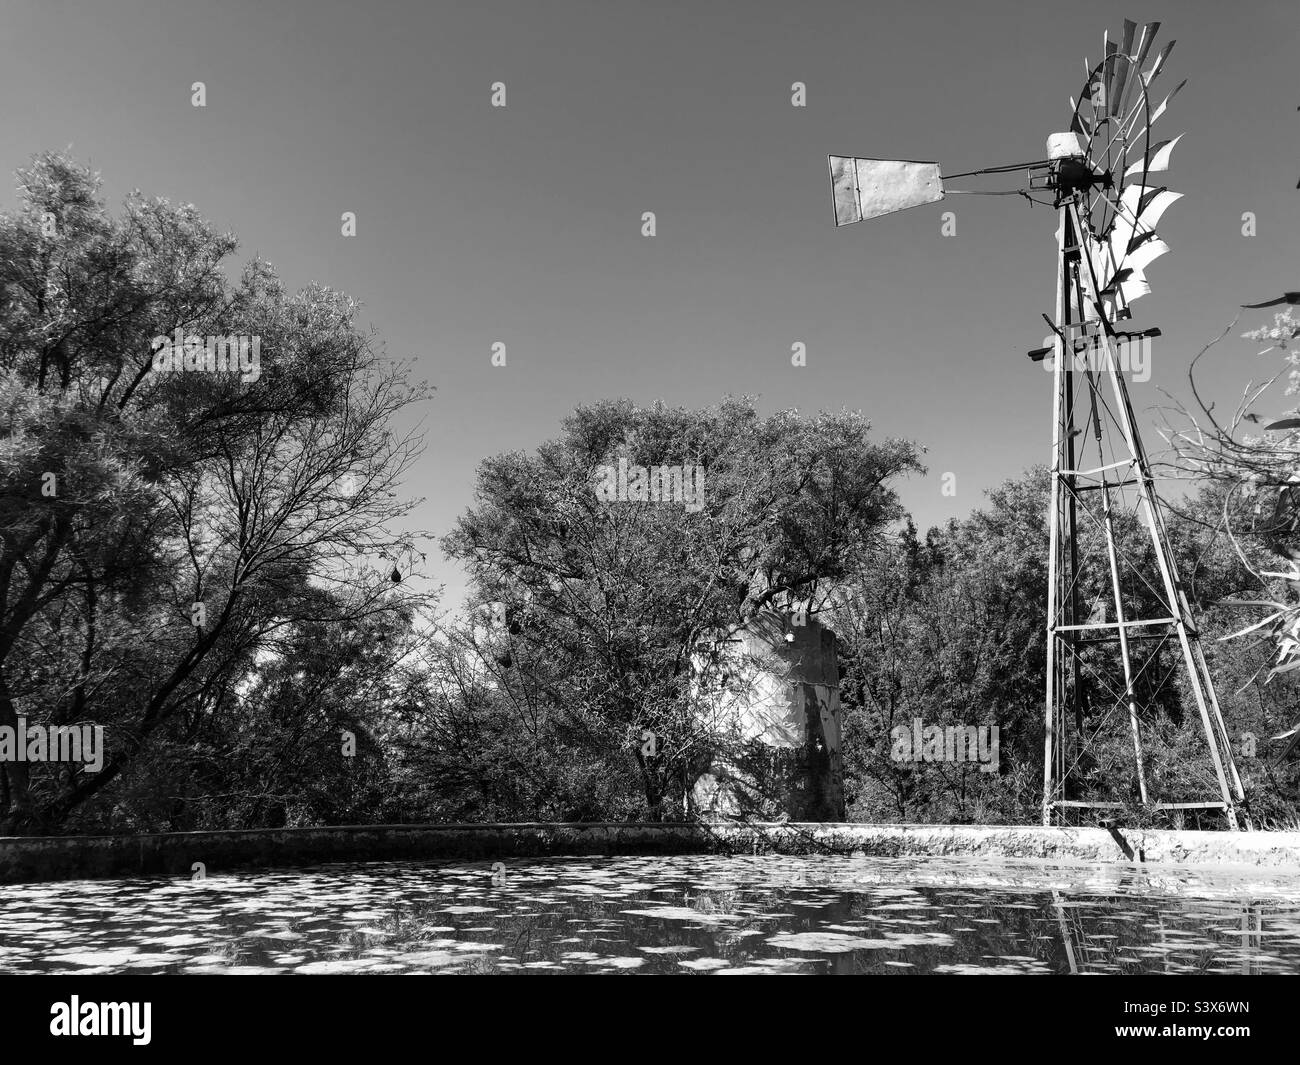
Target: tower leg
[
  {"x": 1129, "y": 695},
  {"x": 1052, "y": 749}
]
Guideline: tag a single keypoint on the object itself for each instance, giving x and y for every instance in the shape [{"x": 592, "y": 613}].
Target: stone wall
[{"x": 74, "y": 857}]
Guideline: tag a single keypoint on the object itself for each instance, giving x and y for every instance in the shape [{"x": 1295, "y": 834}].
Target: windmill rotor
[{"x": 1119, "y": 204}]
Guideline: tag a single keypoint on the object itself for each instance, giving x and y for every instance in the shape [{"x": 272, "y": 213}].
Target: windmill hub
[{"x": 1075, "y": 175}]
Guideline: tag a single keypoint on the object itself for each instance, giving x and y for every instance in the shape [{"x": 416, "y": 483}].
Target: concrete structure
[
  {"x": 786, "y": 720},
  {"x": 28, "y": 858}
]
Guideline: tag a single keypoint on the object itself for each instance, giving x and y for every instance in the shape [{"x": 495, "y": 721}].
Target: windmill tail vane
[
  {"x": 869, "y": 188},
  {"x": 1123, "y": 647}
]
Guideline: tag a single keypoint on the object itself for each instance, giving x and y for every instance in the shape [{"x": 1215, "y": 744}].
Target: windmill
[{"x": 1140, "y": 657}]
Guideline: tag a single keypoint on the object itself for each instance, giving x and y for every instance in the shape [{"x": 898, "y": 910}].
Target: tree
[
  {"x": 616, "y": 610},
  {"x": 1253, "y": 461},
  {"x": 950, "y": 630},
  {"x": 162, "y": 532}
]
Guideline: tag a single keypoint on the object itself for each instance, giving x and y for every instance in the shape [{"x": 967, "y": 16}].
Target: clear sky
[{"x": 523, "y": 224}]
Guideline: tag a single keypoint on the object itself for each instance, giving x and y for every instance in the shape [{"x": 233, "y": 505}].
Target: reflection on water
[{"x": 688, "y": 915}]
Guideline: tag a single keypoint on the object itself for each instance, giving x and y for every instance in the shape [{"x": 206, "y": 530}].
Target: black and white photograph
[{"x": 647, "y": 488}]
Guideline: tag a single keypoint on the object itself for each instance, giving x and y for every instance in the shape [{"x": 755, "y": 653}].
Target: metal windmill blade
[
  {"x": 1158, "y": 160},
  {"x": 1164, "y": 104}
]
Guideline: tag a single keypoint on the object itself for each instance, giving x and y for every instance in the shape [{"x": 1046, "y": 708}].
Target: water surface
[{"x": 688, "y": 915}]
